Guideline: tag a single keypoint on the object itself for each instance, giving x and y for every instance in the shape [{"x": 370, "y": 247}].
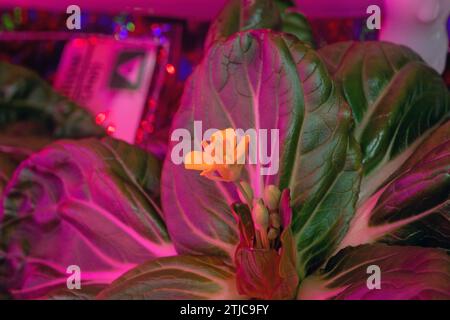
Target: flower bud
[
  {"x": 273, "y": 234},
  {"x": 260, "y": 215},
  {"x": 248, "y": 192},
  {"x": 272, "y": 197},
  {"x": 275, "y": 220}
]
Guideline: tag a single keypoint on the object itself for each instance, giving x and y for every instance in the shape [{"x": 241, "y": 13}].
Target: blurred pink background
[{"x": 194, "y": 9}]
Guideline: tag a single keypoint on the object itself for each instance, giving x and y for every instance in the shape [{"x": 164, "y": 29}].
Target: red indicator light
[
  {"x": 100, "y": 118},
  {"x": 110, "y": 130},
  {"x": 170, "y": 69}
]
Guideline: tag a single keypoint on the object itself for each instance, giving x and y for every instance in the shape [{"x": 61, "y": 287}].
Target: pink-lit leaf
[
  {"x": 88, "y": 292},
  {"x": 414, "y": 207},
  {"x": 294, "y": 22},
  {"x": 259, "y": 274},
  {"x": 241, "y": 15},
  {"x": 176, "y": 278},
  {"x": 90, "y": 203},
  {"x": 406, "y": 273},
  {"x": 437, "y": 136},
  {"x": 17, "y": 142},
  {"x": 268, "y": 273}
]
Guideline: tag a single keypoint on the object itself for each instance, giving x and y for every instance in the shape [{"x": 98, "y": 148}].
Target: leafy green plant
[
  {"x": 243, "y": 15},
  {"x": 325, "y": 219},
  {"x": 363, "y": 181},
  {"x": 396, "y": 100}
]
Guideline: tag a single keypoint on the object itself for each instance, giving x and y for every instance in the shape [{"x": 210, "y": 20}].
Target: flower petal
[{"x": 197, "y": 160}]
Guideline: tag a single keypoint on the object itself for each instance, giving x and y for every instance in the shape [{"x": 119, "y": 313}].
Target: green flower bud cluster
[{"x": 266, "y": 218}]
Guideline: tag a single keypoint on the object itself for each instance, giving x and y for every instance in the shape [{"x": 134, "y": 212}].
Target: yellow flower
[{"x": 222, "y": 159}]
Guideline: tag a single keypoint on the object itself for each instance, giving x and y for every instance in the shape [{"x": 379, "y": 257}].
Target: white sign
[{"x": 110, "y": 78}]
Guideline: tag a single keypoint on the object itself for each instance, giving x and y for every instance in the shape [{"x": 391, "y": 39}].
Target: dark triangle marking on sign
[{"x": 128, "y": 70}]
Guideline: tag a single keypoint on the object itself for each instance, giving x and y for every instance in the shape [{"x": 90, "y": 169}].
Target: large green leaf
[
  {"x": 328, "y": 192},
  {"x": 407, "y": 273},
  {"x": 91, "y": 203},
  {"x": 294, "y": 22},
  {"x": 243, "y": 15},
  {"x": 176, "y": 278},
  {"x": 414, "y": 207},
  {"x": 32, "y": 115},
  {"x": 263, "y": 80},
  {"x": 395, "y": 98}
]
